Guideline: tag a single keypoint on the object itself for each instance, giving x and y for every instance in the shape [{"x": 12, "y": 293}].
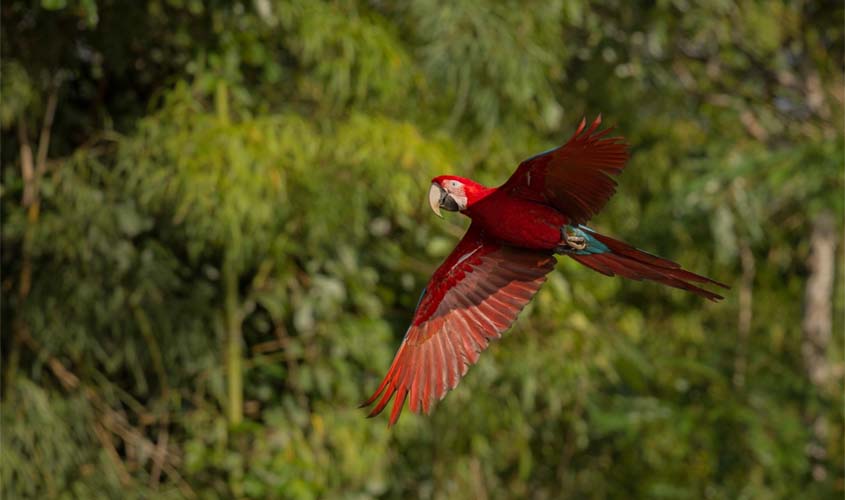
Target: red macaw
[{"x": 502, "y": 260}]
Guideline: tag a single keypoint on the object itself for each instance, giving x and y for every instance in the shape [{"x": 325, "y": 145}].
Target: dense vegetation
[{"x": 215, "y": 231}]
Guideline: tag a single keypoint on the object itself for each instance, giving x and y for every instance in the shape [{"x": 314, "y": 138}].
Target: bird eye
[{"x": 454, "y": 184}]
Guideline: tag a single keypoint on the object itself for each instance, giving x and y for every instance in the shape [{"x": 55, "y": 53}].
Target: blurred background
[{"x": 215, "y": 231}]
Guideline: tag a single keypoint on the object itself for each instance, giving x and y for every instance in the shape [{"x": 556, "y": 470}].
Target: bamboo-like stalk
[
  {"x": 31, "y": 172},
  {"x": 234, "y": 348},
  {"x": 231, "y": 309}
]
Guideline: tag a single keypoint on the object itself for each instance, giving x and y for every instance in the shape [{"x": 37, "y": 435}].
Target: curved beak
[{"x": 435, "y": 196}]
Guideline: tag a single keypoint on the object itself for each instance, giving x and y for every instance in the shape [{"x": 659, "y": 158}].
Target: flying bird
[{"x": 517, "y": 230}]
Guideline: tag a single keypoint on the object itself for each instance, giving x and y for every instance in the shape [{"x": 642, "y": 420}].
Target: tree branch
[{"x": 816, "y": 327}]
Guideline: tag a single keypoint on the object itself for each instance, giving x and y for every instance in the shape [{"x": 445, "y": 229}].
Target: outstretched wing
[
  {"x": 574, "y": 178},
  {"x": 474, "y": 296}
]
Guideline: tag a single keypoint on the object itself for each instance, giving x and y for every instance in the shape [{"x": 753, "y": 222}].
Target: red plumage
[
  {"x": 632, "y": 263},
  {"x": 574, "y": 178},
  {"x": 473, "y": 297},
  {"x": 503, "y": 259}
]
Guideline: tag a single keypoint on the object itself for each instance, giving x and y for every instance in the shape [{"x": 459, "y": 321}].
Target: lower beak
[{"x": 435, "y": 195}]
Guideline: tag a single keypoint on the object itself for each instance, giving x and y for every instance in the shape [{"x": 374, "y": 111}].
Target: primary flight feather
[{"x": 504, "y": 257}]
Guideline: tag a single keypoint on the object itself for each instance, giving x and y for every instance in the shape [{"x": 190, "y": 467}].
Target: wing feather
[
  {"x": 473, "y": 297},
  {"x": 575, "y": 178}
]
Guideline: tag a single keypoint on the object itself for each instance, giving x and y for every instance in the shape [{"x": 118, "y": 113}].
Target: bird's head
[{"x": 454, "y": 194}]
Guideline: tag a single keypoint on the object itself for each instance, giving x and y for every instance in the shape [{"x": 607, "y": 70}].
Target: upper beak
[{"x": 435, "y": 196}]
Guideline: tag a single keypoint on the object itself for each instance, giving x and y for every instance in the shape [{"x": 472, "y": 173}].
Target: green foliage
[{"x": 256, "y": 172}]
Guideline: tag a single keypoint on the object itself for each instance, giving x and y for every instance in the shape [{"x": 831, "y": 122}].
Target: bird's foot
[{"x": 571, "y": 240}]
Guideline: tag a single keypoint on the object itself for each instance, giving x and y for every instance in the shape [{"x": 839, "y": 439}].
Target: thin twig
[
  {"x": 108, "y": 445},
  {"x": 27, "y": 163},
  {"x": 46, "y": 128},
  {"x": 159, "y": 456}
]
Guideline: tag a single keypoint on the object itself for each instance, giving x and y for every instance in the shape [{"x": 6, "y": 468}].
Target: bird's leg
[{"x": 572, "y": 239}]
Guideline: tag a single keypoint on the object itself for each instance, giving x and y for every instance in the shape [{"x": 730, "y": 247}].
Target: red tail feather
[{"x": 630, "y": 262}]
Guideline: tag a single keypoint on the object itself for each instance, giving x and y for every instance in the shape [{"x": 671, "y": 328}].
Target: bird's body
[
  {"x": 503, "y": 259},
  {"x": 518, "y": 222}
]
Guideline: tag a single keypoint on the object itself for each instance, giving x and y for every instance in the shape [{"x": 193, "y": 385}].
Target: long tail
[{"x": 613, "y": 257}]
